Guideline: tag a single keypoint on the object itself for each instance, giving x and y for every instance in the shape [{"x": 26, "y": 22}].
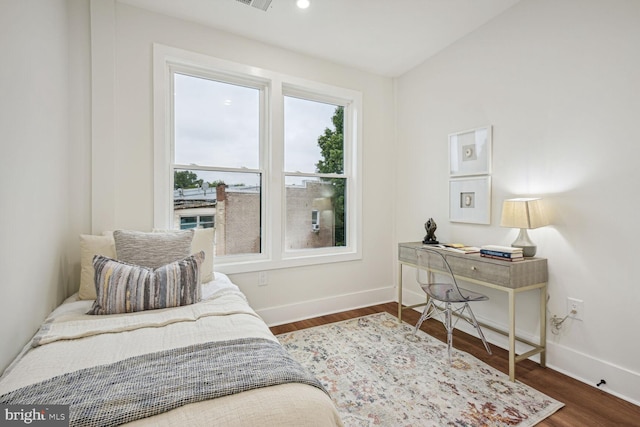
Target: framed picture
[
  {"x": 470, "y": 152},
  {"x": 470, "y": 200}
]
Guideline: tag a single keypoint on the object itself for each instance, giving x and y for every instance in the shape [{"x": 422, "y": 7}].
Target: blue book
[{"x": 501, "y": 254}]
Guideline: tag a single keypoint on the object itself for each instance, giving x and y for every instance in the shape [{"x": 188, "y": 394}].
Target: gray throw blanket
[{"x": 150, "y": 384}]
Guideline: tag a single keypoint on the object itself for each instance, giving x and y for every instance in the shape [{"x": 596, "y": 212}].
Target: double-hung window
[
  {"x": 314, "y": 174},
  {"x": 216, "y": 155},
  {"x": 270, "y": 160}
]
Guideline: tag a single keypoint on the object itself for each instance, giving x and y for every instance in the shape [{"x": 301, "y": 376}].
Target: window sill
[{"x": 291, "y": 262}]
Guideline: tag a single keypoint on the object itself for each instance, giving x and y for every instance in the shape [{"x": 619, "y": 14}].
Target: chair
[{"x": 437, "y": 280}]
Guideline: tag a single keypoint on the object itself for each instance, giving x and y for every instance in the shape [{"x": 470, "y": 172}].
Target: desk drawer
[
  {"x": 407, "y": 254},
  {"x": 479, "y": 270}
]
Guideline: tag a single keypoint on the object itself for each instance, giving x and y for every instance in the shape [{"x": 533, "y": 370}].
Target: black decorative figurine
[{"x": 430, "y": 238}]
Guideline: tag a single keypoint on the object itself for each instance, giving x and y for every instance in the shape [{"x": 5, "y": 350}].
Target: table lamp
[{"x": 523, "y": 213}]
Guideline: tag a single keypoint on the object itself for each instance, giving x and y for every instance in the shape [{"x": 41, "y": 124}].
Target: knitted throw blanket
[{"x": 150, "y": 384}]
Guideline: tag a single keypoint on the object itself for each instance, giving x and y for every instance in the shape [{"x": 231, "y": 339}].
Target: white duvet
[{"x": 70, "y": 340}]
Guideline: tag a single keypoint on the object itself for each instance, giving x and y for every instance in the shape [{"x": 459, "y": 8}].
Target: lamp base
[{"x": 523, "y": 241}]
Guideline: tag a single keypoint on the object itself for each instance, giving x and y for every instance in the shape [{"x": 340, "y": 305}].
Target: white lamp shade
[{"x": 523, "y": 213}]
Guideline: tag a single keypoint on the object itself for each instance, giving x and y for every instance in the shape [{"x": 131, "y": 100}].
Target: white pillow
[
  {"x": 89, "y": 247},
  {"x": 203, "y": 241}
]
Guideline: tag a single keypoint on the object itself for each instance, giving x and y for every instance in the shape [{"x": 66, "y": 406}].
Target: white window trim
[{"x": 273, "y": 255}]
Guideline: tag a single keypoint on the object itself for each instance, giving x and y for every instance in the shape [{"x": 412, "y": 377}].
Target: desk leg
[
  {"x": 400, "y": 292},
  {"x": 543, "y": 326},
  {"x": 512, "y": 335}
]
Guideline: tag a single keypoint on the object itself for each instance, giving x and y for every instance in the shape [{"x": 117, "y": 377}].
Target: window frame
[
  {"x": 274, "y": 86},
  {"x": 227, "y": 77}
]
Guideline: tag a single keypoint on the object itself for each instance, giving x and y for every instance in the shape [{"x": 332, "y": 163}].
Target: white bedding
[{"x": 71, "y": 340}]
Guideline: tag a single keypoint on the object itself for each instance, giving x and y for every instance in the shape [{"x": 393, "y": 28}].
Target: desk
[{"x": 506, "y": 276}]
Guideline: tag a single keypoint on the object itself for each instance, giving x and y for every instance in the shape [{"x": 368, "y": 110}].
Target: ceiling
[{"x": 385, "y": 37}]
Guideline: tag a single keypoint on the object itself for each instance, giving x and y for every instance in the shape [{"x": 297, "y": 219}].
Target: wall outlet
[
  {"x": 575, "y": 308},
  {"x": 263, "y": 279}
]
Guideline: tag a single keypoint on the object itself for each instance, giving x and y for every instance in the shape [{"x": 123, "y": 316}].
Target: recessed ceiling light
[{"x": 303, "y": 4}]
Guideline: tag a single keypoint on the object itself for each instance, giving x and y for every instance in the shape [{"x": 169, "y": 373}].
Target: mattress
[{"x": 71, "y": 340}]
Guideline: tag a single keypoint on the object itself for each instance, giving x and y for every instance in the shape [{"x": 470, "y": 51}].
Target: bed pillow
[
  {"x": 202, "y": 241},
  {"x": 126, "y": 288},
  {"x": 152, "y": 249},
  {"x": 91, "y": 246}
]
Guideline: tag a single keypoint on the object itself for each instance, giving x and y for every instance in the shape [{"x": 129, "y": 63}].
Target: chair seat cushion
[{"x": 447, "y": 292}]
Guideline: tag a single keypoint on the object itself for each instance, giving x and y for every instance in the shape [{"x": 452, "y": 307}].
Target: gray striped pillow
[
  {"x": 152, "y": 249},
  {"x": 126, "y": 288}
]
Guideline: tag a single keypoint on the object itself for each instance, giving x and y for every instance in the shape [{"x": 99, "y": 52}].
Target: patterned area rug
[{"x": 378, "y": 374}]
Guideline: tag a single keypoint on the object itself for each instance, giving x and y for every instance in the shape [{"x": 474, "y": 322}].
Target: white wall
[
  {"x": 122, "y": 178},
  {"x": 34, "y": 167},
  {"x": 559, "y": 82}
]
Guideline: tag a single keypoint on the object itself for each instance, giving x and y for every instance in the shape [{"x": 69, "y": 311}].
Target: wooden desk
[{"x": 509, "y": 277}]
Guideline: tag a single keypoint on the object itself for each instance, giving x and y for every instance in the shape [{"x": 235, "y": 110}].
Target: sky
[{"x": 217, "y": 124}]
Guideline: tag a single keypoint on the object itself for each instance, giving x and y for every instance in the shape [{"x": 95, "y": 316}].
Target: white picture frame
[
  {"x": 470, "y": 200},
  {"x": 470, "y": 152}
]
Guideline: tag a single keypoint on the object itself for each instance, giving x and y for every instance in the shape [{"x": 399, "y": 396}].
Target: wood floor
[{"x": 585, "y": 405}]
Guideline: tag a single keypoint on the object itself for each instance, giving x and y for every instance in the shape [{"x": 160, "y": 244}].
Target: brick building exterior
[{"x": 309, "y": 216}]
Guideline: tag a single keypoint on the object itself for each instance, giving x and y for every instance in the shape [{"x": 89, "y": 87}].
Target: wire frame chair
[{"x": 445, "y": 298}]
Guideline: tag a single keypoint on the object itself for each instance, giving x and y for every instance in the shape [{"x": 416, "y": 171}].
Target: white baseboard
[
  {"x": 621, "y": 382},
  {"x": 319, "y": 307}
]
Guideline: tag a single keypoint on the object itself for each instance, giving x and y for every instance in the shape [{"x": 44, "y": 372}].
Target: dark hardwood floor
[{"x": 585, "y": 405}]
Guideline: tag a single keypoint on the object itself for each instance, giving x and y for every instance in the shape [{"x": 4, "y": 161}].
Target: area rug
[{"x": 379, "y": 374}]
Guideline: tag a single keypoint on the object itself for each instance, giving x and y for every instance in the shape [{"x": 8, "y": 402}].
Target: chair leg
[
  {"x": 477, "y": 326},
  {"x": 449, "y": 327},
  {"x": 424, "y": 316}
]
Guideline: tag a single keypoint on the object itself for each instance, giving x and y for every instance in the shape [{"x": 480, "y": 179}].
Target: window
[
  {"x": 198, "y": 221},
  {"x": 216, "y": 145},
  {"x": 315, "y": 221},
  {"x": 314, "y": 172},
  {"x": 253, "y": 153}
]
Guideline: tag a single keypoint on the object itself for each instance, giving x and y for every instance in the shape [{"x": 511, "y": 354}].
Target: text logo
[{"x": 36, "y": 415}]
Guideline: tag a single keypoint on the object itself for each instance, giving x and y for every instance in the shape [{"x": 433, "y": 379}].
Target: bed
[{"x": 214, "y": 362}]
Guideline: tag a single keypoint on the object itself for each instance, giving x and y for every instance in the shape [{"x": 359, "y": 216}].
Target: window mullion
[{"x": 275, "y": 156}]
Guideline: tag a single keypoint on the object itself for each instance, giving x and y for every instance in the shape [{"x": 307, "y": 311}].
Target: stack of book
[{"x": 505, "y": 253}]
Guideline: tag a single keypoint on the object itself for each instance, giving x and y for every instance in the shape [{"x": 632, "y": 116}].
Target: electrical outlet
[
  {"x": 262, "y": 278},
  {"x": 575, "y": 308}
]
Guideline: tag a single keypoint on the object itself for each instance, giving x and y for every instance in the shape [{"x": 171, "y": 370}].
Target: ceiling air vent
[{"x": 260, "y": 4}]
